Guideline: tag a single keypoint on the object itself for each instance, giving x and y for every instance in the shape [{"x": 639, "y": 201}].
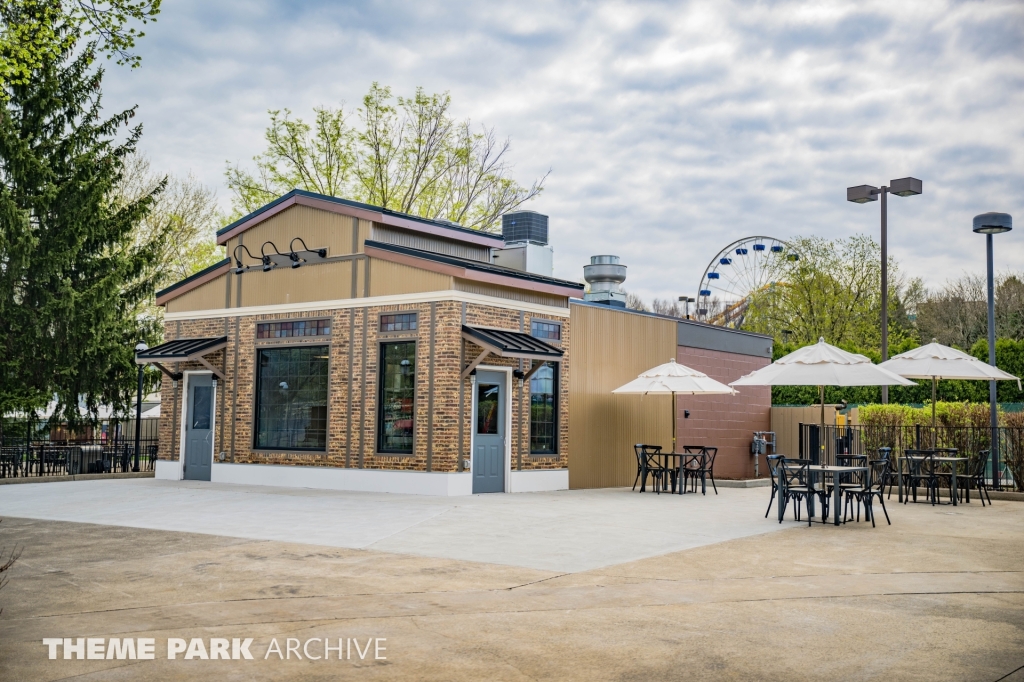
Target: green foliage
[
  {"x": 948, "y": 414},
  {"x": 1013, "y": 450},
  {"x": 831, "y": 291},
  {"x": 408, "y": 155},
  {"x": 73, "y": 278},
  {"x": 33, "y": 32},
  {"x": 1009, "y": 358}
]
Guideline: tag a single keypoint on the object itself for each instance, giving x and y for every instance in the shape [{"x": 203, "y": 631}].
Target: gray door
[
  {"x": 199, "y": 427},
  {"x": 489, "y": 433}
]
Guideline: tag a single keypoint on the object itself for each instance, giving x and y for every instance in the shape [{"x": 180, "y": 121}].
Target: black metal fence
[
  {"x": 31, "y": 447},
  {"x": 821, "y": 444}
]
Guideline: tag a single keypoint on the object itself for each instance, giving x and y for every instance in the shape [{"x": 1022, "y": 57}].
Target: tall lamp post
[
  {"x": 686, "y": 301},
  {"x": 989, "y": 224},
  {"x": 862, "y": 194},
  {"x": 139, "y": 347}
]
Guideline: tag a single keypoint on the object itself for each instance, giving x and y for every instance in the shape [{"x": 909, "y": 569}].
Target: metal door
[
  {"x": 199, "y": 427},
  {"x": 489, "y": 433}
]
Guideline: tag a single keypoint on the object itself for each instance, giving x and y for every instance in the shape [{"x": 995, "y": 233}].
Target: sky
[{"x": 670, "y": 129}]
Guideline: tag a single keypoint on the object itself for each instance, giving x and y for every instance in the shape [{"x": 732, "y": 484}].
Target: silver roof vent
[{"x": 604, "y": 275}]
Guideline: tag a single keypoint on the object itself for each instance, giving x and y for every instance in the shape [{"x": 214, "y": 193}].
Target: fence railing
[
  {"x": 821, "y": 444},
  {"x": 41, "y": 448}
]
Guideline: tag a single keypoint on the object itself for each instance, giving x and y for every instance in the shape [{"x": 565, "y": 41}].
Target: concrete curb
[
  {"x": 76, "y": 477},
  {"x": 744, "y": 483},
  {"x": 993, "y": 494}
]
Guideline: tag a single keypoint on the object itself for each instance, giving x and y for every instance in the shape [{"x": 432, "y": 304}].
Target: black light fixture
[
  {"x": 862, "y": 194},
  {"x": 405, "y": 367},
  {"x": 989, "y": 224},
  {"x": 686, "y": 301},
  {"x": 239, "y": 267},
  {"x": 268, "y": 261}
]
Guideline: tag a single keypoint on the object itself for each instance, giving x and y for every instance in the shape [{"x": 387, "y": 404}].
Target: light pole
[
  {"x": 139, "y": 347},
  {"x": 686, "y": 301},
  {"x": 904, "y": 187},
  {"x": 989, "y": 224}
]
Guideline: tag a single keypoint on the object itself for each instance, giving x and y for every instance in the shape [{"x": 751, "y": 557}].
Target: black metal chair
[
  {"x": 921, "y": 473},
  {"x": 874, "y": 486},
  {"x": 773, "y": 470},
  {"x": 976, "y": 476},
  {"x": 794, "y": 484},
  {"x": 701, "y": 468},
  {"x": 645, "y": 467}
]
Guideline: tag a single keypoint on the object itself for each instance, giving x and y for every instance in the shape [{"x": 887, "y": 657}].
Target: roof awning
[
  {"x": 509, "y": 344},
  {"x": 182, "y": 350}
]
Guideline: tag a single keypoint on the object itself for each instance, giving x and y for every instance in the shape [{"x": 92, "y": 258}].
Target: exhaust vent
[{"x": 604, "y": 275}]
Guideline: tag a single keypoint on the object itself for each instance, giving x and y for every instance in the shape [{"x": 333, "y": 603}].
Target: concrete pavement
[{"x": 937, "y": 596}]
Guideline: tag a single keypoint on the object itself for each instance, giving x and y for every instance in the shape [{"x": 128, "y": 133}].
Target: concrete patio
[{"x": 703, "y": 588}]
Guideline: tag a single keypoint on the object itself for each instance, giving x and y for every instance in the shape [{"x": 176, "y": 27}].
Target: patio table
[
  {"x": 681, "y": 460},
  {"x": 955, "y": 461},
  {"x": 815, "y": 470}
]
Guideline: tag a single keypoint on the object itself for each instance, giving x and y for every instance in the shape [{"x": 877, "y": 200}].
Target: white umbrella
[
  {"x": 936, "y": 361},
  {"x": 675, "y": 379},
  {"x": 822, "y": 365}
]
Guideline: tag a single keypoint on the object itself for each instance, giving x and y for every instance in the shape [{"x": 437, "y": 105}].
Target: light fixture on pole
[
  {"x": 862, "y": 194},
  {"x": 686, "y": 301},
  {"x": 139, "y": 347},
  {"x": 989, "y": 224}
]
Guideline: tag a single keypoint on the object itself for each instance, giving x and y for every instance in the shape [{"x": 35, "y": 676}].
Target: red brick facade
[
  {"x": 442, "y": 401},
  {"x": 727, "y": 422}
]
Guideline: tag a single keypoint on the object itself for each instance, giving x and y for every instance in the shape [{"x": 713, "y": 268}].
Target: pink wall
[{"x": 727, "y": 422}]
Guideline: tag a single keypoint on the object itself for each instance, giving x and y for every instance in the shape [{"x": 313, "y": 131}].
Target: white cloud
[{"x": 671, "y": 128}]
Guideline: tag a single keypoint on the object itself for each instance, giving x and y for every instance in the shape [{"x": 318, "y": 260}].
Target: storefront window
[
  {"x": 291, "y": 398},
  {"x": 397, "y": 397},
  {"x": 544, "y": 410}
]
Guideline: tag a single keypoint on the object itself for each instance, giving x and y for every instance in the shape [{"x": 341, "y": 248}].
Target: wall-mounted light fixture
[{"x": 239, "y": 267}]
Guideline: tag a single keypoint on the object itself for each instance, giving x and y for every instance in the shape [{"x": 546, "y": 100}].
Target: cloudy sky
[{"x": 671, "y": 128}]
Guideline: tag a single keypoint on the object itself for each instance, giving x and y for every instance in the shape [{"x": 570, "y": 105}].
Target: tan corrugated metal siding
[
  {"x": 323, "y": 282},
  {"x": 209, "y": 296},
  {"x": 608, "y": 349},
  {"x": 389, "y": 279},
  {"x": 510, "y": 294},
  {"x": 786, "y": 421},
  {"x": 426, "y": 242},
  {"x": 319, "y": 229}
]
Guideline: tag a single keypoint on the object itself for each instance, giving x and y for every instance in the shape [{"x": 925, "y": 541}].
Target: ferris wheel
[{"x": 739, "y": 270}]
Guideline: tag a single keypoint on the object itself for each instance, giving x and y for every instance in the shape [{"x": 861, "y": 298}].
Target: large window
[
  {"x": 544, "y": 410},
  {"x": 397, "y": 396},
  {"x": 291, "y": 398}
]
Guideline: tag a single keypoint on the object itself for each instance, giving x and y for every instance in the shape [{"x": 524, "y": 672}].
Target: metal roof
[
  {"x": 356, "y": 204},
  {"x": 470, "y": 264},
  {"x": 511, "y": 344},
  {"x": 180, "y": 349},
  {"x": 193, "y": 277}
]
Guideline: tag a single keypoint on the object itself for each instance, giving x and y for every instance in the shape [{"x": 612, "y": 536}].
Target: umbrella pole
[
  {"x": 675, "y": 416},
  {"x": 933, "y": 404},
  {"x": 822, "y": 389}
]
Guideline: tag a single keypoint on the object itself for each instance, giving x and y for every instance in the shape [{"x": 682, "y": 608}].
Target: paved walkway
[{"x": 565, "y": 531}]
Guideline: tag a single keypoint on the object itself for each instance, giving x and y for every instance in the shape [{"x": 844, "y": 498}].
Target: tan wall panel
[
  {"x": 318, "y": 228},
  {"x": 426, "y": 242},
  {"x": 786, "y": 421},
  {"x": 209, "y": 296},
  {"x": 390, "y": 279},
  {"x": 324, "y": 282},
  {"x": 510, "y": 293},
  {"x": 608, "y": 349}
]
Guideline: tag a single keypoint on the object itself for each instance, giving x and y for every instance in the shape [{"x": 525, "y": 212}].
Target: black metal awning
[
  {"x": 509, "y": 344},
  {"x": 182, "y": 350}
]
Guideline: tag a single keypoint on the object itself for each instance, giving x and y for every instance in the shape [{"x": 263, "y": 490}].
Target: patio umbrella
[
  {"x": 675, "y": 379},
  {"x": 936, "y": 361},
  {"x": 822, "y": 365}
]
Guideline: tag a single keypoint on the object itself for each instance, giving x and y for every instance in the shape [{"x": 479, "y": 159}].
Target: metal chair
[
  {"x": 773, "y": 470},
  {"x": 921, "y": 471},
  {"x": 976, "y": 471},
  {"x": 702, "y": 468},
  {"x": 644, "y": 467},
  {"x": 794, "y": 484},
  {"x": 874, "y": 485}
]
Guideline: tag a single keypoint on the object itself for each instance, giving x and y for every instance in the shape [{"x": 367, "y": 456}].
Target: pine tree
[{"x": 71, "y": 278}]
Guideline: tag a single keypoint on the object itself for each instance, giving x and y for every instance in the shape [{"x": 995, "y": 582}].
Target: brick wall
[
  {"x": 441, "y": 438},
  {"x": 727, "y": 422}
]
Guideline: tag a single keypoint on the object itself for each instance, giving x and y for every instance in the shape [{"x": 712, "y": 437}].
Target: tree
[
  {"x": 182, "y": 221},
  {"x": 73, "y": 276},
  {"x": 957, "y": 314},
  {"x": 833, "y": 291},
  {"x": 408, "y": 155},
  {"x": 636, "y": 302},
  {"x": 30, "y": 32}
]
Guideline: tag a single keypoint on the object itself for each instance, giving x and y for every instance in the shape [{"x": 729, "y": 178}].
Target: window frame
[
  {"x": 397, "y": 332},
  {"x": 272, "y": 346},
  {"x": 556, "y": 386},
  {"x": 315, "y": 338},
  {"x": 379, "y": 449},
  {"x": 556, "y": 323}
]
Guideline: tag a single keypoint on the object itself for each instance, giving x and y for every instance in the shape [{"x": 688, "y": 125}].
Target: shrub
[{"x": 1014, "y": 447}]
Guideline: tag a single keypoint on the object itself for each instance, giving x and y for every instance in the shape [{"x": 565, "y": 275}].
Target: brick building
[{"x": 349, "y": 347}]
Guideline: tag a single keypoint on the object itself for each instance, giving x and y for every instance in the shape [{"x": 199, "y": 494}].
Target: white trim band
[{"x": 369, "y": 301}]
